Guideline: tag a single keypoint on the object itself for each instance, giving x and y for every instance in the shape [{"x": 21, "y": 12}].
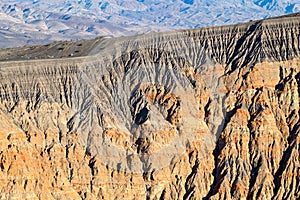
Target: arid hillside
[{"x": 210, "y": 113}]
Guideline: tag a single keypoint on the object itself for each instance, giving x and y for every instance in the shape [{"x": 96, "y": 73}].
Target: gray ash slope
[
  {"x": 36, "y": 22},
  {"x": 209, "y": 113}
]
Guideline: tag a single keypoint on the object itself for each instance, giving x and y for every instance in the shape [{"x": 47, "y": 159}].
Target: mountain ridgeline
[
  {"x": 39, "y": 22},
  {"x": 210, "y": 113}
]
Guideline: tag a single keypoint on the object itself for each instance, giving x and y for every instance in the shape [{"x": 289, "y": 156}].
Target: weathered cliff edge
[{"x": 208, "y": 113}]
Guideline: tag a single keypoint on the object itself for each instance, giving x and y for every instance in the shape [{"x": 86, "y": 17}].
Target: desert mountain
[
  {"x": 35, "y": 22},
  {"x": 209, "y": 113}
]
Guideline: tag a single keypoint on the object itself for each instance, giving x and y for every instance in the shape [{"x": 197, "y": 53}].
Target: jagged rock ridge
[{"x": 208, "y": 113}]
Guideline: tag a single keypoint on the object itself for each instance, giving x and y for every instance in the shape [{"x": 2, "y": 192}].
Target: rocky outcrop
[{"x": 207, "y": 113}]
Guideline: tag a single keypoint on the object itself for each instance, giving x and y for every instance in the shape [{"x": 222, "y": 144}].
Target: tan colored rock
[{"x": 208, "y": 113}]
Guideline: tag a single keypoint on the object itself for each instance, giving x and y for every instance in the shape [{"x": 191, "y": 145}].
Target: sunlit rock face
[{"x": 208, "y": 113}]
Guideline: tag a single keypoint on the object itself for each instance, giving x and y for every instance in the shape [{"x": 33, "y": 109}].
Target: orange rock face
[{"x": 208, "y": 113}]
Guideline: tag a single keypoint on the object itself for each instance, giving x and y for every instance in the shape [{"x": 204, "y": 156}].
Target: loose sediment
[{"x": 208, "y": 113}]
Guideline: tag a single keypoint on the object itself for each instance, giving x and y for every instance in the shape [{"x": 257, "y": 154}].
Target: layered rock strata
[{"x": 208, "y": 113}]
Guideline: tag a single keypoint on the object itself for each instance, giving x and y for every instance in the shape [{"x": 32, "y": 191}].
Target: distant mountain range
[
  {"x": 30, "y": 22},
  {"x": 201, "y": 114}
]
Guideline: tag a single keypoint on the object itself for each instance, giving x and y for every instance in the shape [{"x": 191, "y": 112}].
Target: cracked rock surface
[{"x": 209, "y": 113}]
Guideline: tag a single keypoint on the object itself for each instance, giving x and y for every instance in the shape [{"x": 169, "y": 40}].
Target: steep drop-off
[{"x": 208, "y": 113}]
